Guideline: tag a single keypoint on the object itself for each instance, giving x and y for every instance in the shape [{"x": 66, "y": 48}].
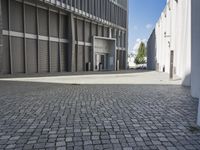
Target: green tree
[{"x": 142, "y": 52}]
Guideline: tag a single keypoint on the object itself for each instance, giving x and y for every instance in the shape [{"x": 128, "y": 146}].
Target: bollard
[
  {"x": 118, "y": 65},
  {"x": 88, "y": 66}
]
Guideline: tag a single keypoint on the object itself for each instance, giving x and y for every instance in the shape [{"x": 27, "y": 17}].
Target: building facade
[
  {"x": 174, "y": 45},
  {"x": 46, "y": 36},
  {"x": 171, "y": 44}
]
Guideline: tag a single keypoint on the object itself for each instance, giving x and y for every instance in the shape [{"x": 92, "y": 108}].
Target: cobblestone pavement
[{"x": 59, "y": 116}]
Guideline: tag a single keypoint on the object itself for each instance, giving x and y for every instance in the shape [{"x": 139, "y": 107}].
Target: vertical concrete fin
[
  {"x": 127, "y": 34},
  {"x": 71, "y": 56}
]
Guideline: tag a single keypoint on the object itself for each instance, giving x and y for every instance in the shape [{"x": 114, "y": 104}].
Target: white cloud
[
  {"x": 149, "y": 26},
  {"x": 137, "y": 44}
]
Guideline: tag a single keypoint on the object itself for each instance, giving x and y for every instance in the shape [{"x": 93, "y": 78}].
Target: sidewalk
[{"x": 123, "y": 77}]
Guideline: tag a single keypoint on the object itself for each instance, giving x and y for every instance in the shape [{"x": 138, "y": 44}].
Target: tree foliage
[{"x": 140, "y": 57}]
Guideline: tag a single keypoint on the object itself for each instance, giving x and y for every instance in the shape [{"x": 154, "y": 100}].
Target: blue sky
[{"x": 143, "y": 15}]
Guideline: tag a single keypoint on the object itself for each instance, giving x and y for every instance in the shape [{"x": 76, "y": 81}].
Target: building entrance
[
  {"x": 101, "y": 62},
  {"x": 104, "y": 54}
]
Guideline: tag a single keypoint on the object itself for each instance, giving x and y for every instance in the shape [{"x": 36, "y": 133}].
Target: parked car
[{"x": 141, "y": 66}]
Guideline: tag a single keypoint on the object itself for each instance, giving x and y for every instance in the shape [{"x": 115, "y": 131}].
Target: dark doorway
[{"x": 103, "y": 61}]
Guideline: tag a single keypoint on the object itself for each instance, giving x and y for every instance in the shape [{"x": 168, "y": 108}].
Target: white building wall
[
  {"x": 173, "y": 32},
  {"x": 152, "y": 54},
  {"x": 174, "y": 17},
  {"x": 185, "y": 42},
  {"x": 162, "y": 46},
  {"x": 167, "y": 39},
  {"x": 177, "y": 43},
  {"x": 182, "y": 27}
]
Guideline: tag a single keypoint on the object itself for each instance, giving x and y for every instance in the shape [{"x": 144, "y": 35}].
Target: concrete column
[
  {"x": 115, "y": 56},
  {"x": 37, "y": 28},
  {"x": 59, "y": 35},
  {"x": 93, "y": 53},
  {"x": 49, "y": 42},
  {"x": 24, "y": 30},
  {"x": 195, "y": 69},
  {"x": 84, "y": 48},
  {"x": 92, "y": 47},
  {"x": 9, "y": 40},
  {"x": 71, "y": 56},
  {"x": 1, "y": 43},
  {"x": 126, "y": 47},
  {"x": 115, "y": 35}
]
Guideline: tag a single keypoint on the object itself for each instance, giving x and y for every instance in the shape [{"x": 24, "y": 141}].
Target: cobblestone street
[{"x": 37, "y": 115}]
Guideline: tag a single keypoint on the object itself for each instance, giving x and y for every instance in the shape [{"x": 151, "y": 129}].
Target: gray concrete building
[{"x": 46, "y": 36}]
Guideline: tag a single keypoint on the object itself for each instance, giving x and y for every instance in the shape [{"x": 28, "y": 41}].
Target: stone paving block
[
  {"x": 28, "y": 147},
  {"x": 89, "y": 142},
  {"x": 88, "y": 147},
  {"x": 127, "y": 148},
  {"x": 68, "y": 139},
  {"x": 61, "y": 148}
]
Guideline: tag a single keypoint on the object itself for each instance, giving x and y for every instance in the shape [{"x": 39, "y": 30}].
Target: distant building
[
  {"x": 174, "y": 45},
  {"x": 38, "y": 36}
]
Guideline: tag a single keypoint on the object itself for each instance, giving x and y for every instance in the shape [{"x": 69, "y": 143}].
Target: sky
[{"x": 143, "y": 15}]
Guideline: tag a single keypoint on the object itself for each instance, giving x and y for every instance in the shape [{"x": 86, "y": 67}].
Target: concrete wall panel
[
  {"x": 64, "y": 27},
  {"x": 100, "y": 31},
  {"x": 64, "y": 57},
  {"x": 80, "y": 58},
  {"x": 18, "y": 55},
  {"x": 87, "y": 54},
  {"x": 16, "y": 14},
  {"x": 30, "y": 21},
  {"x": 43, "y": 21},
  {"x": 53, "y": 24},
  {"x": 54, "y": 57},
  {"x": 94, "y": 30},
  {"x": 31, "y": 56},
  {"x": 43, "y": 56},
  {"x": 6, "y": 56},
  {"x": 80, "y": 30},
  {"x": 106, "y": 32},
  {"x": 4, "y": 8},
  {"x": 87, "y": 32},
  {"x": 75, "y": 29}
]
